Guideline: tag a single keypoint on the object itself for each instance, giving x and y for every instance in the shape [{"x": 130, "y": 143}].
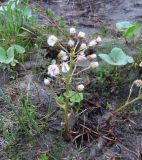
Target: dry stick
[{"x": 96, "y": 133}]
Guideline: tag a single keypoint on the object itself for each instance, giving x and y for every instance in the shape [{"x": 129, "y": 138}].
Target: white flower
[
  {"x": 99, "y": 39},
  {"x": 53, "y": 70},
  {"x": 94, "y": 64},
  {"x": 63, "y": 55},
  {"x": 138, "y": 83},
  {"x": 46, "y": 81},
  {"x": 82, "y": 53},
  {"x": 72, "y": 31},
  {"x": 52, "y": 40},
  {"x": 81, "y": 58},
  {"x": 140, "y": 65},
  {"x": 65, "y": 67},
  {"x": 91, "y": 57},
  {"x": 80, "y": 87},
  {"x": 83, "y": 46},
  {"x": 93, "y": 43},
  {"x": 81, "y": 35},
  {"x": 71, "y": 43}
]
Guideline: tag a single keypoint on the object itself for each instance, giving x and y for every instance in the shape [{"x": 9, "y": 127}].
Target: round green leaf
[
  {"x": 19, "y": 48},
  {"x": 123, "y": 25},
  {"x": 77, "y": 97},
  {"x": 107, "y": 58},
  {"x": 116, "y": 57}
]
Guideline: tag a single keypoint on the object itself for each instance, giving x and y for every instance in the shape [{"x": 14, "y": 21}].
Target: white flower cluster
[
  {"x": 77, "y": 45},
  {"x": 138, "y": 83}
]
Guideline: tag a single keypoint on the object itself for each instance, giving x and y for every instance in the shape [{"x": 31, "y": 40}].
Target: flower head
[
  {"x": 99, "y": 39},
  {"x": 138, "y": 83},
  {"x": 63, "y": 55},
  {"x": 83, "y": 46},
  {"x": 71, "y": 43},
  {"x": 52, "y": 40},
  {"x": 140, "y": 65},
  {"x": 46, "y": 81},
  {"x": 81, "y": 35},
  {"x": 80, "y": 87},
  {"x": 81, "y": 53},
  {"x": 53, "y": 70},
  {"x": 72, "y": 31},
  {"x": 81, "y": 58},
  {"x": 91, "y": 57},
  {"x": 65, "y": 67},
  {"x": 94, "y": 64},
  {"x": 92, "y": 43}
]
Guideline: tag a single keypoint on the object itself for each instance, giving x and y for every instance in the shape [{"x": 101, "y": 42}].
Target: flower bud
[
  {"x": 140, "y": 65},
  {"x": 138, "y": 83},
  {"x": 81, "y": 58},
  {"x": 93, "y": 43},
  {"x": 91, "y": 57},
  {"x": 83, "y": 46},
  {"x": 71, "y": 43},
  {"x": 80, "y": 87},
  {"x": 99, "y": 39},
  {"x": 52, "y": 40},
  {"x": 94, "y": 64},
  {"x": 81, "y": 35},
  {"x": 63, "y": 55},
  {"x": 53, "y": 70},
  {"x": 69, "y": 115},
  {"x": 65, "y": 67},
  {"x": 46, "y": 81},
  {"x": 62, "y": 124},
  {"x": 72, "y": 31}
]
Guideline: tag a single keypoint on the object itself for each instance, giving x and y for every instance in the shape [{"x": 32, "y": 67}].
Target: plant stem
[
  {"x": 68, "y": 81},
  {"x": 127, "y": 104}
]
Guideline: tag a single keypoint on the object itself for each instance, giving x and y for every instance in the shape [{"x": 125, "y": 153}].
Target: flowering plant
[{"x": 73, "y": 59}]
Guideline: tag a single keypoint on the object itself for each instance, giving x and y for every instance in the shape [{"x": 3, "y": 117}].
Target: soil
[
  {"x": 92, "y": 137},
  {"x": 91, "y": 12}
]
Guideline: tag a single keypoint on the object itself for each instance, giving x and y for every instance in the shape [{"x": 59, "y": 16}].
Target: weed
[
  {"x": 69, "y": 69},
  {"x": 15, "y": 16},
  {"x": 26, "y": 116}
]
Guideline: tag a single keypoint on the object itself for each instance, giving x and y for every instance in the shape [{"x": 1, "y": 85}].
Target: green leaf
[
  {"x": 10, "y": 55},
  {"x": 123, "y": 25},
  {"x": 27, "y": 12},
  {"x": 6, "y": 57},
  {"x": 131, "y": 30},
  {"x": 18, "y": 48},
  {"x": 74, "y": 96},
  {"x": 2, "y": 55},
  {"x": 60, "y": 99},
  {"x": 77, "y": 97},
  {"x": 116, "y": 57},
  {"x": 71, "y": 93}
]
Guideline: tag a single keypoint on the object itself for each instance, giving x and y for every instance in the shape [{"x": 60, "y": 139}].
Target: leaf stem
[{"x": 127, "y": 104}]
